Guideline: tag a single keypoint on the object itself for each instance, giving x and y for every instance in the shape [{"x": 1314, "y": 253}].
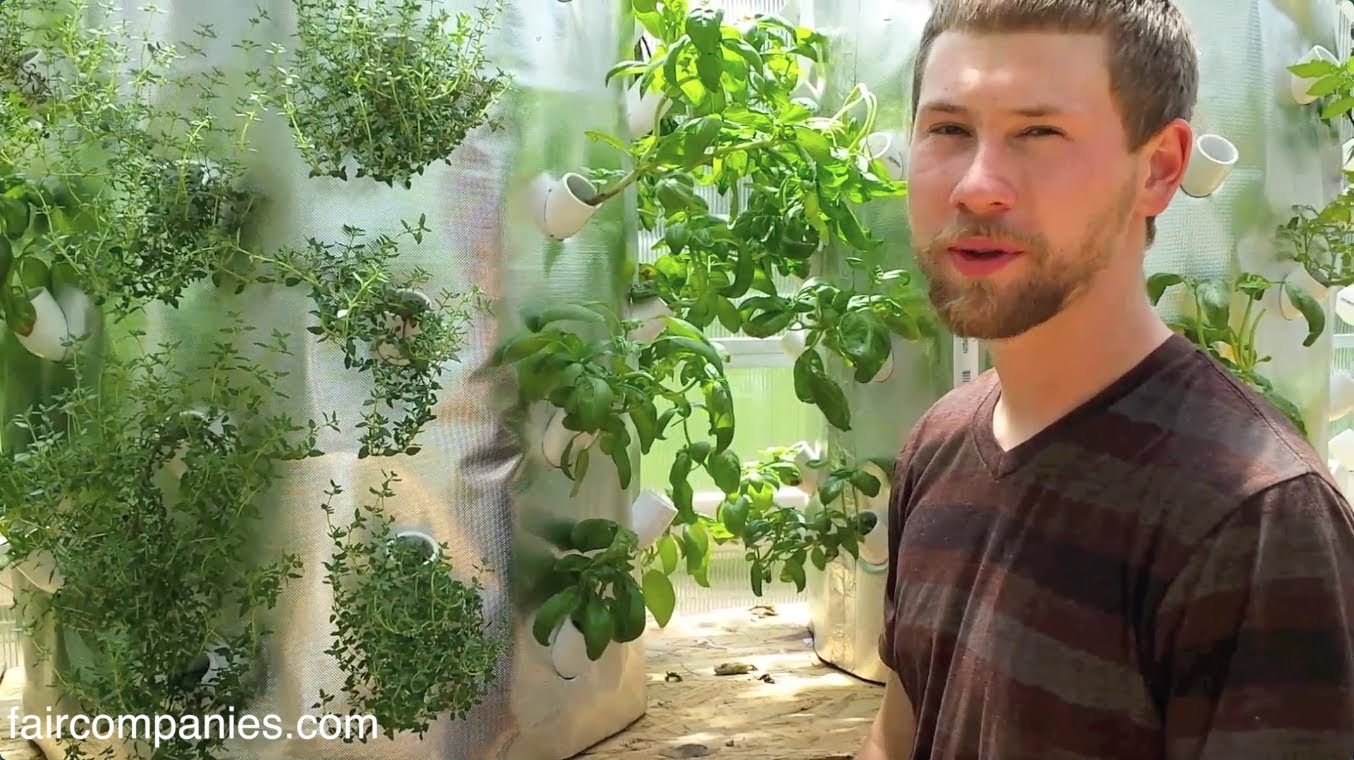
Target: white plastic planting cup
[
  {"x": 651, "y": 514},
  {"x": 642, "y": 111},
  {"x": 49, "y": 330},
  {"x": 569, "y": 651},
  {"x": 887, "y": 147},
  {"x": 1298, "y": 86},
  {"x": 564, "y": 205},
  {"x": 794, "y": 343},
  {"x": 1344, "y": 304},
  {"x": 403, "y": 329},
  {"x": 651, "y": 312},
  {"x": 426, "y": 543},
  {"x": 1213, "y": 159}
]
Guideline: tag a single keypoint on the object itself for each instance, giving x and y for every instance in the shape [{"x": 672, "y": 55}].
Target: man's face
[{"x": 1021, "y": 185}]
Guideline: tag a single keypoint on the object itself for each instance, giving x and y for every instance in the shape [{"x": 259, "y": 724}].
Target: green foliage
[
  {"x": 1322, "y": 241},
  {"x": 592, "y": 586},
  {"x": 123, "y": 182},
  {"x": 1334, "y": 81},
  {"x": 136, "y": 197},
  {"x": 601, "y": 379},
  {"x": 141, "y": 491},
  {"x": 390, "y": 85},
  {"x": 777, "y": 539},
  {"x": 408, "y": 632},
  {"x": 382, "y": 325},
  {"x": 1215, "y": 326}
]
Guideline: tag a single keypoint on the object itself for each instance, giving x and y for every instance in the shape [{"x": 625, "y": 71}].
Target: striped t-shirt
[{"x": 1167, "y": 572}]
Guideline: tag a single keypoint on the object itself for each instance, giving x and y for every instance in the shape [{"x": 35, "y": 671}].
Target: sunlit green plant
[
  {"x": 1214, "y": 324},
  {"x": 390, "y": 86}
]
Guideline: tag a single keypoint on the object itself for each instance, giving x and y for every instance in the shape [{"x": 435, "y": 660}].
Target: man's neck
[{"x": 1054, "y": 368}]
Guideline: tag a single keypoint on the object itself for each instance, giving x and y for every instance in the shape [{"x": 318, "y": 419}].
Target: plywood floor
[{"x": 786, "y": 706}]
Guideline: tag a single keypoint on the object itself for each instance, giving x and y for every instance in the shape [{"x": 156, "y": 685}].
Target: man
[{"x": 1108, "y": 547}]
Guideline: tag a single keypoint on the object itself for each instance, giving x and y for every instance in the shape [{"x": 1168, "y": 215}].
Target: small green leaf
[
  {"x": 659, "y": 596},
  {"x": 831, "y": 401},
  {"x": 734, "y": 514},
  {"x": 627, "y": 610},
  {"x": 1216, "y": 300},
  {"x": 597, "y": 627},
  {"x": 668, "y": 552},
  {"x": 830, "y": 490},
  {"x": 726, "y": 471},
  {"x": 554, "y": 610},
  {"x": 1310, "y": 309},
  {"x": 1159, "y": 282}
]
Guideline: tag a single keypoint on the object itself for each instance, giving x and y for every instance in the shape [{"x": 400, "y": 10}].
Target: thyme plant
[
  {"x": 139, "y": 478},
  {"x": 364, "y": 307},
  {"x": 142, "y": 493},
  {"x": 389, "y": 86},
  {"x": 408, "y": 632}
]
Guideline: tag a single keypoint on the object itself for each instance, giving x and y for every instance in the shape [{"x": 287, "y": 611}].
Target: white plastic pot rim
[
  {"x": 49, "y": 333},
  {"x": 1298, "y": 86},
  {"x": 1211, "y": 161},
  {"x": 429, "y": 543},
  {"x": 566, "y": 205},
  {"x": 651, "y": 514}
]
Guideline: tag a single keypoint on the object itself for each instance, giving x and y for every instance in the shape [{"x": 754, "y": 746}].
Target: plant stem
[{"x": 643, "y": 167}]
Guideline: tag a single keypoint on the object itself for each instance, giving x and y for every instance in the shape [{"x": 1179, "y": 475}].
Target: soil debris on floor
[{"x": 748, "y": 687}]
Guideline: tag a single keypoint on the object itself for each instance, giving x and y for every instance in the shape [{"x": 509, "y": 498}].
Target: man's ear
[{"x": 1165, "y": 157}]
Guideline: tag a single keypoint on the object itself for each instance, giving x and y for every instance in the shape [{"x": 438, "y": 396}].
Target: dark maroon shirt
[{"x": 1167, "y": 572}]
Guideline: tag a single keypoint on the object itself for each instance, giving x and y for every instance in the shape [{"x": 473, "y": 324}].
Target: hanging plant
[
  {"x": 777, "y": 539},
  {"x": 142, "y": 201},
  {"x": 1322, "y": 241},
  {"x": 732, "y": 122},
  {"x": 386, "y": 325},
  {"x": 592, "y": 586},
  {"x": 133, "y": 499},
  {"x": 394, "y": 598},
  {"x": 1214, "y": 325},
  {"x": 600, "y": 379},
  {"x": 129, "y": 510},
  {"x": 390, "y": 85}
]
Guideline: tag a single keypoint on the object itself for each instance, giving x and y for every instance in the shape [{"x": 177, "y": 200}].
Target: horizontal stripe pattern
[{"x": 1168, "y": 573}]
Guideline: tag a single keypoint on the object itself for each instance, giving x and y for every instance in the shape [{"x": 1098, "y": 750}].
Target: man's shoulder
[
  {"x": 953, "y": 411},
  {"x": 1195, "y": 415}
]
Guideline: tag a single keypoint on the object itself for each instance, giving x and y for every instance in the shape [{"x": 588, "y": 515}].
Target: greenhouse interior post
[{"x": 430, "y": 367}]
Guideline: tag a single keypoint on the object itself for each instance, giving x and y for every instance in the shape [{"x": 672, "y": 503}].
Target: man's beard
[{"x": 986, "y": 309}]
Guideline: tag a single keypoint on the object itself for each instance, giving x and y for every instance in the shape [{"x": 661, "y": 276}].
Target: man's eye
[
  {"x": 948, "y": 129},
  {"x": 1042, "y": 132}
]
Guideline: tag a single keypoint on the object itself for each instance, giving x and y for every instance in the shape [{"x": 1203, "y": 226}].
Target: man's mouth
[
  {"x": 980, "y": 257},
  {"x": 980, "y": 249}
]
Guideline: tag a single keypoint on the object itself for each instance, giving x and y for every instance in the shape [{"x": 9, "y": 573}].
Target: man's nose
[{"x": 984, "y": 187}]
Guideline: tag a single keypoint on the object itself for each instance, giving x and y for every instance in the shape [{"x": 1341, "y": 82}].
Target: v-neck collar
[{"x": 1001, "y": 462}]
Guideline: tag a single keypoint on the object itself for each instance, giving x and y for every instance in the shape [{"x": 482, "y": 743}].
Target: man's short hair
[{"x": 1153, "y": 60}]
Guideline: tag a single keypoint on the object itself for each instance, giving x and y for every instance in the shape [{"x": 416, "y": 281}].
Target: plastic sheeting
[
  {"x": 479, "y": 484},
  {"x": 1287, "y": 157}
]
